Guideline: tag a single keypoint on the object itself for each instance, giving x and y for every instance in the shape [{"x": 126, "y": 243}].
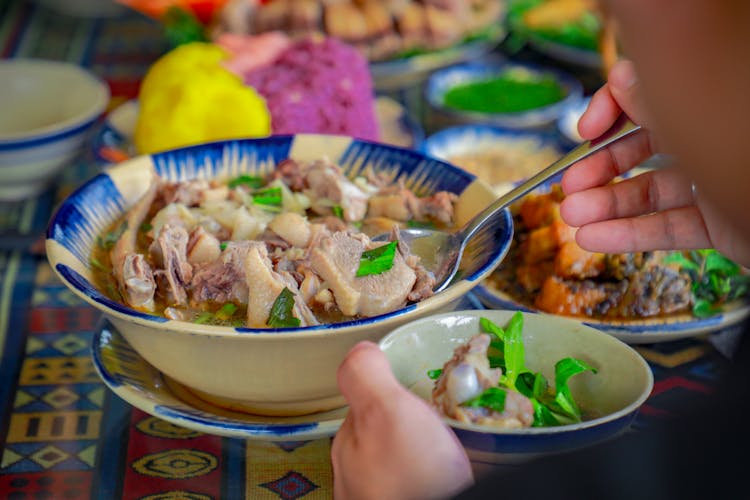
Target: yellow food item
[
  {"x": 188, "y": 97},
  {"x": 557, "y": 13}
]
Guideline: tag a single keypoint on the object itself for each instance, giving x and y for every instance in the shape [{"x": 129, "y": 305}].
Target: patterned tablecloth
[{"x": 63, "y": 434}]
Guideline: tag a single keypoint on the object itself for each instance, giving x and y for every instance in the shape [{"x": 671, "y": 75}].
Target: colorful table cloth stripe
[{"x": 63, "y": 434}]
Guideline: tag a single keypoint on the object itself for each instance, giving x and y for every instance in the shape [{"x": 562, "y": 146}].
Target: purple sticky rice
[{"x": 319, "y": 86}]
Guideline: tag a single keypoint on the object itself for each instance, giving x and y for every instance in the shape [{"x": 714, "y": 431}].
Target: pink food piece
[{"x": 250, "y": 52}]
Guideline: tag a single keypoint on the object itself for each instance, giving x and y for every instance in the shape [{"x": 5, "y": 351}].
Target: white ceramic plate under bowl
[
  {"x": 114, "y": 140},
  {"x": 132, "y": 378}
]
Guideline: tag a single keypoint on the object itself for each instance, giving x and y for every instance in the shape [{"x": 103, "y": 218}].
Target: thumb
[
  {"x": 624, "y": 86},
  {"x": 365, "y": 377}
]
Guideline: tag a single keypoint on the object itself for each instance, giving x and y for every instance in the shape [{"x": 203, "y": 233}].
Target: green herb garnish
[
  {"x": 226, "y": 311},
  {"x": 281, "y": 312},
  {"x": 181, "y": 27},
  {"x": 109, "y": 239},
  {"x": 146, "y": 227},
  {"x": 416, "y": 224},
  {"x": 246, "y": 180},
  {"x": 552, "y": 406},
  {"x": 716, "y": 279},
  {"x": 435, "y": 374},
  {"x": 270, "y": 197},
  {"x": 378, "y": 260},
  {"x": 338, "y": 211},
  {"x": 223, "y": 245},
  {"x": 204, "y": 318}
]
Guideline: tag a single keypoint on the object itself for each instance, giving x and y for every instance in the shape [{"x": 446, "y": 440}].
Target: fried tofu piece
[
  {"x": 543, "y": 242},
  {"x": 573, "y": 262}
]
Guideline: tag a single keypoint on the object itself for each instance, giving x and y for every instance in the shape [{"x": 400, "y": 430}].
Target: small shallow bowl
[
  {"x": 622, "y": 384},
  {"x": 48, "y": 110},
  {"x": 443, "y": 80},
  {"x": 523, "y": 152},
  {"x": 270, "y": 371}
]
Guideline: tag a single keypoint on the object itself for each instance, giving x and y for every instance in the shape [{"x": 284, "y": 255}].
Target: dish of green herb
[{"x": 509, "y": 92}]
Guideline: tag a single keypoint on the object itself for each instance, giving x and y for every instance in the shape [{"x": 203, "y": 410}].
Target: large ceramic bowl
[
  {"x": 48, "y": 109},
  {"x": 442, "y": 81},
  {"x": 282, "y": 371},
  {"x": 622, "y": 384}
]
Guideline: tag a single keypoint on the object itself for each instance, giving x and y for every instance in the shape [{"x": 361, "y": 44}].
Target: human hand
[
  {"x": 657, "y": 210},
  {"x": 391, "y": 444}
]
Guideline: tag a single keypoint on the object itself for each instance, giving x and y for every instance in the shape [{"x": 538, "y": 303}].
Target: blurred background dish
[
  {"x": 500, "y": 157},
  {"x": 48, "y": 111},
  {"x": 503, "y": 93},
  {"x": 570, "y": 31},
  {"x": 113, "y": 141},
  {"x": 613, "y": 395}
]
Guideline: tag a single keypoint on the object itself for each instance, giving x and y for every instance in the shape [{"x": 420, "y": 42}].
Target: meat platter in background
[{"x": 638, "y": 296}]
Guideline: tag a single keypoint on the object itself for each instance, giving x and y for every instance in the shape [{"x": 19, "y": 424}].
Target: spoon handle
[{"x": 622, "y": 127}]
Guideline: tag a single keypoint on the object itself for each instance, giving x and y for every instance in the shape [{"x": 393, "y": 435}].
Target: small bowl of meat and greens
[
  {"x": 640, "y": 297},
  {"x": 244, "y": 270},
  {"x": 514, "y": 385}
]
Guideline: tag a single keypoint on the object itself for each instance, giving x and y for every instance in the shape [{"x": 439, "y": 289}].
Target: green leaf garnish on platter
[
  {"x": 378, "y": 260},
  {"x": 282, "y": 315},
  {"x": 246, "y": 180}
]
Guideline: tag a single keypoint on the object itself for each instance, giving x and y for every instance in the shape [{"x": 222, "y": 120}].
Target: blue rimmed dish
[
  {"x": 136, "y": 381},
  {"x": 497, "y": 155},
  {"x": 272, "y": 372},
  {"x": 612, "y": 397},
  {"x": 442, "y": 81}
]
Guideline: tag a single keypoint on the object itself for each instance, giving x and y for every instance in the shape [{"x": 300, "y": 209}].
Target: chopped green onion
[
  {"x": 246, "y": 180},
  {"x": 111, "y": 237},
  {"x": 226, "y": 311},
  {"x": 270, "y": 196},
  {"x": 203, "y": 318},
  {"x": 223, "y": 245},
  {"x": 95, "y": 263},
  {"x": 378, "y": 260},
  {"x": 435, "y": 374},
  {"x": 281, "y": 312},
  {"x": 338, "y": 211}
]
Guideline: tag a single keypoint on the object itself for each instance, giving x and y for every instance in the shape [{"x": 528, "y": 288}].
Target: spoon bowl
[{"x": 441, "y": 251}]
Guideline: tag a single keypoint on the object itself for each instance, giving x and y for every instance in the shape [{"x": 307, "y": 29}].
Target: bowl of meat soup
[
  {"x": 230, "y": 266},
  {"x": 611, "y": 383}
]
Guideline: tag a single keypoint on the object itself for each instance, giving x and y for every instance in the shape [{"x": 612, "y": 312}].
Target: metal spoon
[{"x": 441, "y": 251}]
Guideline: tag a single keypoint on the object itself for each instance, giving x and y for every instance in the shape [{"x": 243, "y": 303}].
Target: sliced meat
[
  {"x": 138, "y": 285},
  {"x": 336, "y": 261},
  {"x": 203, "y": 247},
  {"x": 291, "y": 227},
  {"x": 400, "y": 203},
  {"x": 466, "y": 375},
  {"x": 223, "y": 280},
  {"x": 173, "y": 243},
  {"x": 126, "y": 244},
  {"x": 265, "y": 285},
  {"x": 329, "y": 187}
]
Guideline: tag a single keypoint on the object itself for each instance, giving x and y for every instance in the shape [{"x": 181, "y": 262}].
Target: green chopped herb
[
  {"x": 435, "y": 374},
  {"x": 109, "y": 239},
  {"x": 95, "y": 263},
  {"x": 338, "y": 211},
  {"x": 204, "y": 318},
  {"x": 492, "y": 398},
  {"x": 182, "y": 27},
  {"x": 281, "y": 312},
  {"x": 226, "y": 311},
  {"x": 270, "y": 196},
  {"x": 246, "y": 180},
  {"x": 564, "y": 370},
  {"x": 146, "y": 227},
  {"x": 223, "y": 245},
  {"x": 378, "y": 260}
]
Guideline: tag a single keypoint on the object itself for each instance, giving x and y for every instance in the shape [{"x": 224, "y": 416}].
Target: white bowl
[
  {"x": 265, "y": 371},
  {"x": 48, "y": 109},
  {"x": 622, "y": 384}
]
